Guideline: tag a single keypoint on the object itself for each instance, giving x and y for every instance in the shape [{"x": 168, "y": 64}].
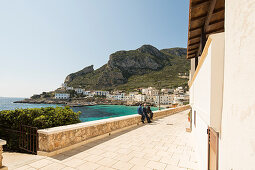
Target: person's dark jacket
[
  {"x": 145, "y": 110},
  {"x": 140, "y": 110},
  {"x": 149, "y": 110}
]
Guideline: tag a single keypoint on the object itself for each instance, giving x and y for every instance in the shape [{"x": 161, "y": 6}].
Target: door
[
  {"x": 213, "y": 142},
  {"x": 28, "y": 139}
]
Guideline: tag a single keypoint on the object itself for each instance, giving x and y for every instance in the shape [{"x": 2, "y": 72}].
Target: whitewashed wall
[
  {"x": 206, "y": 96},
  {"x": 201, "y": 104},
  {"x": 201, "y": 140},
  {"x": 237, "y": 151},
  {"x": 201, "y": 91}
]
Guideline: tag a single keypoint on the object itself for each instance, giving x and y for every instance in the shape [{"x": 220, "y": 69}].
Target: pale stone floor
[{"x": 164, "y": 144}]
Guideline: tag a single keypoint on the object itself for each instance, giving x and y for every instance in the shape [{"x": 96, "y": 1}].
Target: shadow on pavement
[{"x": 70, "y": 153}]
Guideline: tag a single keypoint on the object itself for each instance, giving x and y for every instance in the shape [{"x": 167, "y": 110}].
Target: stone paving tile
[
  {"x": 31, "y": 168},
  {"x": 122, "y": 165},
  {"x": 89, "y": 166},
  {"x": 93, "y": 158},
  {"x": 172, "y": 167},
  {"x": 164, "y": 153},
  {"x": 188, "y": 164},
  {"x": 109, "y": 154},
  {"x": 156, "y": 165},
  {"x": 24, "y": 167},
  {"x": 123, "y": 151},
  {"x": 171, "y": 161},
  {"x": 136, "y": 154},
  {"x": 73, "y": 162},
  {"x": 139, "y": 167},
  {"x": 68, "y": 168},
  {"x": 55, "y": 166},
  {"x": 152, "y": 157},
  {"x": 108, "y": 162},
  {"x": 14, "y": 160},
  {"x": 139, "y": 161},
  {"x": 140, "y": 148},
  {"x": 105, "y": 168},
  {"x": 40, "y": 163},
  {"x": 123, "y": 157}
]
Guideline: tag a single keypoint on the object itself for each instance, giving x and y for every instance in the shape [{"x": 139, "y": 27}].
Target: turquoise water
[{"x": 88, "y": 113}]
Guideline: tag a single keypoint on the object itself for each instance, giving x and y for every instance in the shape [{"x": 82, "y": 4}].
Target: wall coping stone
[
  {"x": 2, "y": 142},
  {"x": 58, "y": 129}
]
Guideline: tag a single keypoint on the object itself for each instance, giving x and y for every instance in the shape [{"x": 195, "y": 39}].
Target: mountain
[{"x": 132, "y": 69}]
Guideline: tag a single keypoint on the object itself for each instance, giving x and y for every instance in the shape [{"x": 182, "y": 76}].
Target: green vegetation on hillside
[{"x": 143, "y": 67}]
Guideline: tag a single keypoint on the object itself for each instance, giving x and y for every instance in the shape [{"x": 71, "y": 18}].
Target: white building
[
  {"x": 179, "y": 90},
  {"x": 132, "y": 94},
  {"x": 101, "y": 93},
  {"x": 222, "y": 94},
  {"x": 127, "y": 98},
  {"x": 79, "y": 90},
  {"x": 164, "y": 99},
  {"x": 114, "y": 97},
  {"x": 150, "y": 99},
  {"x": 87, "y": 93},
  {"x": 145, "y": 91},
  {"x": 166, "y": 91},
  {"x": 150, "y": 91},
  {"x": 139, "y": 98},
  {"x": 69, "y": 88},
  {"x": 62, "y": 96}
]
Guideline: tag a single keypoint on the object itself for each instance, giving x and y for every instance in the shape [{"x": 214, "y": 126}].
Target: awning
[{"x": 205, "y": 17}]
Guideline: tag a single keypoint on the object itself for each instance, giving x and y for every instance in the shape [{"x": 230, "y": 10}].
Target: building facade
[
  {"x": 79, "y": 90},
  {"x": 62, "y": 96},
  {"x": 221, "y": 49},
  {"x": 101, "y": 93}
]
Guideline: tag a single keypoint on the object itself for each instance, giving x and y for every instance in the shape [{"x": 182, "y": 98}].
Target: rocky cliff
[
  {"x": 124, "y": 67},
  {"x": 82, "y": 72}
]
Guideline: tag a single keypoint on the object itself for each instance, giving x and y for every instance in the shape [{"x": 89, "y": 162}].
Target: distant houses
[
  {"x": 62, "y": 96},
  {"x": 149, "y": 95},
  {"x": 101, "y": 93},
  {"x": 79, "y": 90}
]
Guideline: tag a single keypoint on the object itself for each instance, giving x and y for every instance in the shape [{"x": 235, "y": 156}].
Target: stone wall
[
  {"x": 57, "y": 138},
  {"x": 2, "y": 142},
  {"x": 1, "y": 157}
]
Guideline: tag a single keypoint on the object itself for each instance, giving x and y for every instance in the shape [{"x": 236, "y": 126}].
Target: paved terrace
[{"x": 164, "y": 144}]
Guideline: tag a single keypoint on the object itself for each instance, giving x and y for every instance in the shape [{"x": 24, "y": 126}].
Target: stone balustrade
[
  {"x": 2, "y": 142},
  {"x": 59, "y": 139}
]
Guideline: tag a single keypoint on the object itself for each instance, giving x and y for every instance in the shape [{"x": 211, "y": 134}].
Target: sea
[{"x": 88, "y": 113}]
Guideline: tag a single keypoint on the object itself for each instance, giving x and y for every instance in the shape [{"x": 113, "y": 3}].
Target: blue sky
[{"x": 43, "y": 41}]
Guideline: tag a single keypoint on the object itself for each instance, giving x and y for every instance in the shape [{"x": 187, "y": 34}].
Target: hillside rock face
[
  {"x": 82, "y": 72},
  {"x": 149, "y": 49},
  {"x": 121, "y": 66}
]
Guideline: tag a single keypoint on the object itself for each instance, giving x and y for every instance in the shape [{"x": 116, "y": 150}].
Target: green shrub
[{"x": 37, "y": 117}]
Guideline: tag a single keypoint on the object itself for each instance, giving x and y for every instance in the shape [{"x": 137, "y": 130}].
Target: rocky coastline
[{"x": 79, "y": 102}]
